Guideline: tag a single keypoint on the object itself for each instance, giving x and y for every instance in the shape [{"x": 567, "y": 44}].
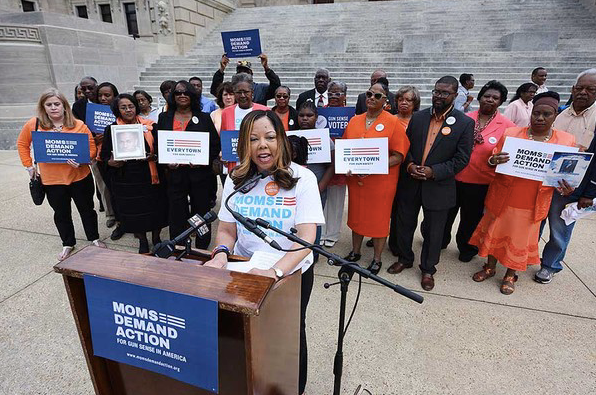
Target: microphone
[
  {"x": 198, "y": 224},
  {"x": 248, "y": 223}
]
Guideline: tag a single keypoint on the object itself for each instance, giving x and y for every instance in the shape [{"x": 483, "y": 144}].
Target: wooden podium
[{"x": 258, "y": 323}]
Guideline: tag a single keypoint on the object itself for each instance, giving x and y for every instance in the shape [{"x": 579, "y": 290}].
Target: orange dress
[
  {"x": 369, "y": 204},
  {"x": 514, "y": 208}
]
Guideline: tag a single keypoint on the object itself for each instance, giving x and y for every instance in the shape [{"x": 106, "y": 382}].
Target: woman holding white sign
[
  {"x": 62, "y": 182},
  {"x": 371, "y": 196},
  {"x": 187, "y": 180},
  {"x": 514, "y": 207},
  {"x": 288, "y": 198},
  {"x": 136, "y": 186}
]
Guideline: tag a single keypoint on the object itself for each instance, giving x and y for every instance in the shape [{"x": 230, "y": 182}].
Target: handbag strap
[{"x": 36, "y": 127}]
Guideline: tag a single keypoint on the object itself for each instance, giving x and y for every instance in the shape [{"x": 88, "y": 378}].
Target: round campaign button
[
  {"x": 291, "y": 122},
  {"x": 195, "y": 120},
  {"x": 271, "y": 188},
  {"x": 379, "y": 127},
  {"x": 446, "y": 130},
  {"x": 492, "y": 140},
  {"x": 450, "y": 120}
]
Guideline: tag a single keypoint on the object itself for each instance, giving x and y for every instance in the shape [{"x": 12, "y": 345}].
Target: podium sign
[{"x": 165, "y": 332}]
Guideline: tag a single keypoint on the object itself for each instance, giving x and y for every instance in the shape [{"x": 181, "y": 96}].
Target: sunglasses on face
[
  {"x": 335, "y": 94},
  {"x": 377, "y": 96},
  {"x": 281, "y": 96},
  {"x": 180, "y": 93}
]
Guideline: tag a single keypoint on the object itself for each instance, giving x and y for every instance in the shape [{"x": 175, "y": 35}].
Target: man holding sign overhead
[
  {"x": 371, "y": 195},
  {"x": 261, "y": 92}
]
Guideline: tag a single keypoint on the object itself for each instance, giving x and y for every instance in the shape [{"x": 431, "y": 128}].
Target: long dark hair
[
  {"x": 282, "y": 174},
  {"x": 195, "y": 103}
]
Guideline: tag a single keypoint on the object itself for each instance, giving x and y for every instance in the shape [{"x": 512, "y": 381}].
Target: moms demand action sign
[
  {"x": 161, "y": 331},
  {"x": 242, "y": 43}
]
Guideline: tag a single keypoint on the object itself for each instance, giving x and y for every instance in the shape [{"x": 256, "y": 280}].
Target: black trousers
[
  {"x": 432, "y": 233},
  {"x": 183, "y": 183},
  {"x": 308, "y": 279},
  {"x": 470, "y": 204},
  {"x": 392, "y": 242},
  {"x": 59, "y": 197}
]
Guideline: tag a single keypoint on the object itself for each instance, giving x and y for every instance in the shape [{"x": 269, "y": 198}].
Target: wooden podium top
[{"x": 239, "y": 292}]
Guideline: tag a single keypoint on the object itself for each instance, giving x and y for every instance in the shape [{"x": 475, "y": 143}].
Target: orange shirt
[
  {"x": 285, "y": 119},
  {"x": 436, "y": 121},
  {"x": 54, "y": 173}
]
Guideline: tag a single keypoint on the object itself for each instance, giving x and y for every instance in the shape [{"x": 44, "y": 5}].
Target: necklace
[
  {"x": 370, "y": 121},
  {"x": 531, "y": 136}
]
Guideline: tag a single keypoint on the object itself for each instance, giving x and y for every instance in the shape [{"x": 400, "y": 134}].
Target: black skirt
[{"x": 140, "y": 205}]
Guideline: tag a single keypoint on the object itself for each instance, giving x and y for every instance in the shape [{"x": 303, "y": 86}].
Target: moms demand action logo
[
  {"x": 183, "y": 146},
  {"x": 146, "y": 326}
]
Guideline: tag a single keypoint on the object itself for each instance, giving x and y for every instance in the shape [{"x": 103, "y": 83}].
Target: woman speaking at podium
[{"x": 288, "y": 197}]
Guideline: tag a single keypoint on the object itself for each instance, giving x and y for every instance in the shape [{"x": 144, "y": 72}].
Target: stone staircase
[{"x": 473, "y": 32}]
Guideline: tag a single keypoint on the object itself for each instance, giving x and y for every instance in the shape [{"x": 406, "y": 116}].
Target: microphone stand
[{"x": 345, "y": 273}]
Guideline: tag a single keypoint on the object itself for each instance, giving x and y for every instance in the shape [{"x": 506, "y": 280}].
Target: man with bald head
[{"x": 361, "y": 103}]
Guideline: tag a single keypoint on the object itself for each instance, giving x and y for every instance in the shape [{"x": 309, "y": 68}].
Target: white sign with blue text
[
  {"x": 319, "y": 144},
  {"x": 156, "y": 330},
  {"x": 362, "y": 156},
  {"x": 183, "y": 147}
]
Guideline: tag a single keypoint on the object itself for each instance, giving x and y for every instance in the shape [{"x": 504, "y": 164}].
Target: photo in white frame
[{"x": 128, "y": 142}]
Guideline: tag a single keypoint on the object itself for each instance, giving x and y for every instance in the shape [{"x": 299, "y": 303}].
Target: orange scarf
[{"x": 149, "y": 139}]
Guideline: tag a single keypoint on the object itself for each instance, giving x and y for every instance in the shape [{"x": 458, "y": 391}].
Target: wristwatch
[{"x": 278, "y": 272}]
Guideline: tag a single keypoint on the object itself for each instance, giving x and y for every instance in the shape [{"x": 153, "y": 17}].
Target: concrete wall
[{"x": 58, "y": 50}]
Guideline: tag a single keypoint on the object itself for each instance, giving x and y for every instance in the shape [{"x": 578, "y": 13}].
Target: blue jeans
[{"x": 560, "y": 234}]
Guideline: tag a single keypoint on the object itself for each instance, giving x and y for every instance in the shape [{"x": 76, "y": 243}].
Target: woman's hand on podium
[
  {"x": 265, "y": 273},
  {"x": 219, "y": 261}
]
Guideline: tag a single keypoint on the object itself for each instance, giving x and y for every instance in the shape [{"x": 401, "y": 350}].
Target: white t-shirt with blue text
[{"x": 283, "y": 208}]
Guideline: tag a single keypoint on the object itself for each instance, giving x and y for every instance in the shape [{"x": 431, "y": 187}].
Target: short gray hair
[
  {"x": 409, "y": 88},
  {"x": 341, "y": 85},
  {"x": 322, "y": 70},
  {"x": 241, "y": 77},
  {"x": 584, "y": 73}
]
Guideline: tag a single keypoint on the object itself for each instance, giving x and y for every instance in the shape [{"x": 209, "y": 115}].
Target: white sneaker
[
  {"x": 329, "y": 243},
  {"x": 99, "y": 243}
]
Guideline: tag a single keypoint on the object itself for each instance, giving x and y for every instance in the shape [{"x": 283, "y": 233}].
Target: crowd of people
[{"x": 442, "y": 160}]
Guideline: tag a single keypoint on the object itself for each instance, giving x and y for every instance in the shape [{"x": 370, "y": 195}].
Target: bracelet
[
  {"x": 491, "y": 163},
  {"x": 220, "y": 248}
]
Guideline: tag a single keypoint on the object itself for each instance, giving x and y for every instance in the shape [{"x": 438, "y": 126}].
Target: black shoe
[
  {"x": 110, "y": 222},
  {"x": 117, "y": 233},
  {"x": 375, "y": 266},
  {"x": 465, "y": 257},
  {"x": 143, "y": 246},
  {"x": 370, "y": 243},
  {"x": 351, "y": 257}
]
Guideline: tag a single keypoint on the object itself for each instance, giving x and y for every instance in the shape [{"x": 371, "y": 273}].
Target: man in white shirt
[
  {"x": 464, "y": 99},
  {"x": 539, "y": 75},
  {"x": 578, "y": 119},
  {"x": 318, "y": 95}
]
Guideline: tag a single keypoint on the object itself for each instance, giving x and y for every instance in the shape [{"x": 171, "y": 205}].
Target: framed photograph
[{"x": 128, "y": 142}]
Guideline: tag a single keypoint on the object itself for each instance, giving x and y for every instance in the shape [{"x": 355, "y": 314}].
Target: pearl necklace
[{"x": 531, "y": 136}]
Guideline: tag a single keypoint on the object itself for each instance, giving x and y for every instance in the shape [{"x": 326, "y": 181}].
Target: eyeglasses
[
  {"x": 180, "y": 93},
  {"x": 281, "y": 96},
  {"x": 443, "y": 94},
  {"x": 242, "y": 93},
  {"x": 377, "y": 96},
  {"x": 335, "y": 94},
  {"x": 590, "y": 89}
]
